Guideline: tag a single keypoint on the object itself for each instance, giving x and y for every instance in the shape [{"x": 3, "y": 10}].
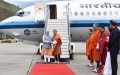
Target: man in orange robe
[
  {"x": 95, "y": 39},
  {"x": 88, "y": 48},
  {"x": 56, "y": 47}
]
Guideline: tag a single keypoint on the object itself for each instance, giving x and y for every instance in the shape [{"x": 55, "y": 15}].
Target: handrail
[
  {"x": 46, "y": 17},
  {"x": 68, "y": 25}
]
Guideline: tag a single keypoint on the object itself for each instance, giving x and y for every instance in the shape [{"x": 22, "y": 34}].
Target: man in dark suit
[{"x": 113, "y": 45}]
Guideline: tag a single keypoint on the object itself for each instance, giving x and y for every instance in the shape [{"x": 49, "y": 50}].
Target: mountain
[{"x": 7, "y": 9}]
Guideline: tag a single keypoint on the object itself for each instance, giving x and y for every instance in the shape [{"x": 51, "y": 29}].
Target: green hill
[{"x": 7, "y": 9}]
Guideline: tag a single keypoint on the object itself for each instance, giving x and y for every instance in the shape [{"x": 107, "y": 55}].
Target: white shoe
[
  {"x": 58, "y": 62},
  {"x": 94, "y": 70},
  {"x": 102, "y": 74},
  {"x": 89, "y": 65},
  {"x": 55, "y": 61}
]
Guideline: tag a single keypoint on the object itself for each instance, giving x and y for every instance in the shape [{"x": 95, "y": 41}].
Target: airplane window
[
  {"x": 110, "y": 13},
  {"x": 81, "y": 13},
  {"x": 87, "y": 13},
  {"x": 64, "y": 13},
  {"x": 104, "y": 13},
  {"x": 21, "y": 14},
  {"x": 16, "y": 14},
  {"x": 27, "y": 13},
  {"x": 76, "y": 13},
  {"x": 99, "y": 13},
  {"x": 93, "y": 13},
  {"x": 116, "y": 12}
]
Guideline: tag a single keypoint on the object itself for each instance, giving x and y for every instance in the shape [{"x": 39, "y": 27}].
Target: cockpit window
[
  {"x": 22, "y": 14},
  {"x": 26, "y": 13},
  {"x": 16, "y": 14}
]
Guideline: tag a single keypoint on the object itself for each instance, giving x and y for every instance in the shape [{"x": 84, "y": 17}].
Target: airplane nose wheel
[
  {"x": 71, "y": 54},
  {"x": 42, "y": 57},
  {"x": 38, "y": 52}
]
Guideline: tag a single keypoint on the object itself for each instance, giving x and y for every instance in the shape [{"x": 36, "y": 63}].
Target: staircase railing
[
  {"x": 68, "y": 26},
  {"x": 47, "y": 13}
]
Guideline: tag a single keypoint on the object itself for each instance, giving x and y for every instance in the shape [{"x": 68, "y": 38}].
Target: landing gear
[
  {"x": 42, "y": 57},
  {"x": 71, "y": 54},
  {"x": 38, "y": 52}
]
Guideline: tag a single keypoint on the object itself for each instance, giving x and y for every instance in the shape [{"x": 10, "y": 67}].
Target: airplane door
[
  {"x": 53, "y": 11},
  {"x": 39, "y": 11}
]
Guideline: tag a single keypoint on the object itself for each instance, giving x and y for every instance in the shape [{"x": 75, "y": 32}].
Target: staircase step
[
  {"x": 58, "y": 20},
  {"x": 64, "y": 44},
  {"x": 62, "y": 36},
  {"x": 64, "y": 50},
  {"x": 65, "y": 53},
  {"x": 55, "y": 24},
  {"x": 61, "y": 33},
  {"x": 57, "y": 28},
  {"x": 64, "y": 30}
]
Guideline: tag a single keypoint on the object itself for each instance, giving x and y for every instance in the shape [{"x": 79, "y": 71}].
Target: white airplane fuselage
[{"x": 83, "y": 14}]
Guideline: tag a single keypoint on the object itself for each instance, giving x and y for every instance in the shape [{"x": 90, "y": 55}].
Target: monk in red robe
[
  {"x": 95, "y": 40},
  {"x": 102, "y": 47}
]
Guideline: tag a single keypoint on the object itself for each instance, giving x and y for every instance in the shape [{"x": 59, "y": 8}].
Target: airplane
[{"x": 83, "y": 14}]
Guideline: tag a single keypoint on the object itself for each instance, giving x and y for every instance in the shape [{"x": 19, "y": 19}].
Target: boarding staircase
[{"x": 63, "y": 28}]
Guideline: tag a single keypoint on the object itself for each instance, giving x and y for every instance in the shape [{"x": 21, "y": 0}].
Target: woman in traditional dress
[{"x": 56, "y": 46}]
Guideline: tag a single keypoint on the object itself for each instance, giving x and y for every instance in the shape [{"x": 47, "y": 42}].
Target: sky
[{"x": 25, "y": 3}]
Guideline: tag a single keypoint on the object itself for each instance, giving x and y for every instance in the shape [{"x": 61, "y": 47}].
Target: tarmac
[{"x": 18, "y": 59}]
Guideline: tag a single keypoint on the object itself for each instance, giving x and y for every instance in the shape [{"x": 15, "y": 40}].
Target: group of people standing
[
  {"x": 48, "y": 50},
  {"x": 102, "y": 47}
]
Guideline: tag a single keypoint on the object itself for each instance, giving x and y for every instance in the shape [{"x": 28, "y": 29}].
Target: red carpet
[{"x": 51, "y": 69}]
